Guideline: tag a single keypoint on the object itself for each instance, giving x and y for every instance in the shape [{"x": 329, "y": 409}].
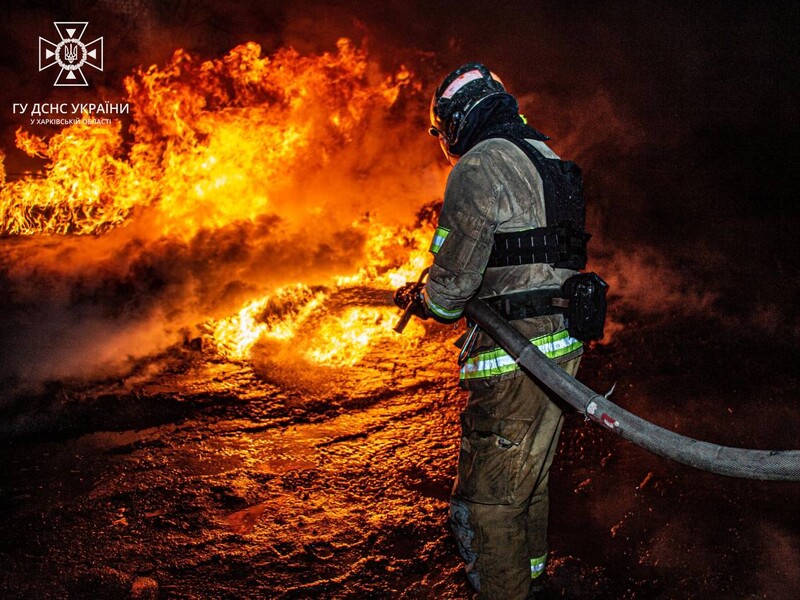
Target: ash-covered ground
[{"x": 199, "y": 478}]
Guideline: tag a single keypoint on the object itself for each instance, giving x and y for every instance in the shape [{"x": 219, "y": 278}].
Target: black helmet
[{"x": 459, "y": 93}]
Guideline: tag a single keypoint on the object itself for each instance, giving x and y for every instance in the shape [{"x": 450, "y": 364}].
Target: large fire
[{"x": 290, "y": 150}]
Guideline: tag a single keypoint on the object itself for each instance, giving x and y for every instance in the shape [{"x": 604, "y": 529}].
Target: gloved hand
[
  {"x": 406, "y": 294},
  {"x": 409, "y": 298}
]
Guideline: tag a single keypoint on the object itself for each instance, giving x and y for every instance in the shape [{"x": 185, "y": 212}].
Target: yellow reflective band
[
  {"x": 440, "y": 311},
  {"x": 439, "y": 236},
  {"x": 498, "y": 362}
]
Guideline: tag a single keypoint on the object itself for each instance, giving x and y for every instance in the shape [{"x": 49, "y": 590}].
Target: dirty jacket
[{"x": 493, "y": 188}]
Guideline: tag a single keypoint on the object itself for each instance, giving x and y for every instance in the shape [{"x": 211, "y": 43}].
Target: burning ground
[{"x": 202, "y": 395}]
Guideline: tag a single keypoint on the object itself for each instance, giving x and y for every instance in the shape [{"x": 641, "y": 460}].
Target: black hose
[{"x": 735, "y": 462}]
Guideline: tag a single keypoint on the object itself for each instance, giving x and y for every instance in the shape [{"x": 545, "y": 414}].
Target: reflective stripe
[
  {"x": 439, "y": 236},
  {"x": 440, "y": 311},
  {"x": 460, "y": 82},
  {"x": 498, "y": 362},
  {"x": 537, "y": 566}
]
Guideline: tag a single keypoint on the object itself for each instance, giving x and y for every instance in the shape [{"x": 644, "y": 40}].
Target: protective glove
[
  {"x": 406, "y": 294},
  {"x": 409, "y": 298}
]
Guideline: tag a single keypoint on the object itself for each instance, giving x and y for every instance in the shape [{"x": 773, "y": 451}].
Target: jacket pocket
[{"x": 457, "y": 249}]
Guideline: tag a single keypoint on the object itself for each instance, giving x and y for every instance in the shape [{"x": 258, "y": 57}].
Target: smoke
[{"x": 92, "y": 307}]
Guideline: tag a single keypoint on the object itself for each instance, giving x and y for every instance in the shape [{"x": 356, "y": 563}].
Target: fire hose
[{"x": 775, "y": 465}]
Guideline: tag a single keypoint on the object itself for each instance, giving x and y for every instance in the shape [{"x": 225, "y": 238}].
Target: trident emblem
[{"x": 70, "y": 53}]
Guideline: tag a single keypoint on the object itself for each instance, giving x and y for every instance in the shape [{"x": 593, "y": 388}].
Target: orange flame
[
  {"x": 344, "y": 340},
  {"x": 241, "y": 139},
  {"x": 213, "y": 141},
  {"x": 89, "y": 187},
  {"x": 235, "y": 335}
]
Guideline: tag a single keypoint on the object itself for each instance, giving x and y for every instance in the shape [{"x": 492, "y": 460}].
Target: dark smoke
[{"x": 106, "y": 314}]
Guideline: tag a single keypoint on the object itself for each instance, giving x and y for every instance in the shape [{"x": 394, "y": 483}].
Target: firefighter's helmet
[{"x": 457, "y": 96}]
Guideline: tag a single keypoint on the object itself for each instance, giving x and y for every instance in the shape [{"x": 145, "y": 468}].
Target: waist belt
[{"x": 527, "y": 304}]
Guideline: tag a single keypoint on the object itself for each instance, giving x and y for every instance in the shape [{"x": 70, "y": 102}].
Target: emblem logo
[{"x": 71, "y": 53}]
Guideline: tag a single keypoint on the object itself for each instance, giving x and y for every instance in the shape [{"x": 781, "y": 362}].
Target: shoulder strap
[
  {"x": 547, "y": 182},
  {"x": 562, "y": 241}
]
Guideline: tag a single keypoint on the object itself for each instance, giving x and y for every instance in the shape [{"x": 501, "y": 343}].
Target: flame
[
  {"x": 337, "y": 340},
  {"x": 89, "y": 187},
  {"x": 213, "y": 142},
  {"x": 244, "y": 144},
  {"x": 397, "y": 255},
  {"x": 344, "y": 340},
  {"x": 276, "y": 316}
]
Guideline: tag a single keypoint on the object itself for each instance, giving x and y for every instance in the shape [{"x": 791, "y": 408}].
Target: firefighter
[{"x": 498, "y": 238}]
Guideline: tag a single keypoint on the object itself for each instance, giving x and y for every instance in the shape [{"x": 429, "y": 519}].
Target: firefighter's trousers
[{"x": 499, "y": 504}]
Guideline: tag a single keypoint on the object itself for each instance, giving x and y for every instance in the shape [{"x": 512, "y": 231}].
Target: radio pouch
[{"x": 586, "y": 313}]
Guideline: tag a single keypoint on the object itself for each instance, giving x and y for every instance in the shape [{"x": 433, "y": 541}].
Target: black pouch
[{"x": 586, "y": 313}]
